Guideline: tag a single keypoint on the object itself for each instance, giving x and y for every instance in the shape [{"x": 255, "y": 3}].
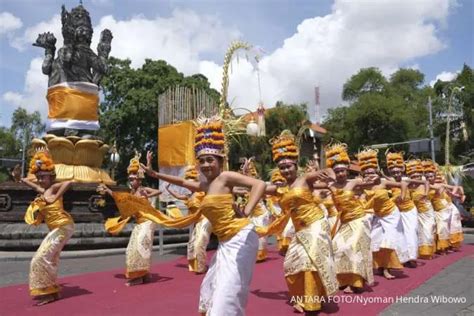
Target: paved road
[
  {"x": 16, "y": 272},
  {"x": 456, "y": 282},
  {"x": 14, "y": 267}
]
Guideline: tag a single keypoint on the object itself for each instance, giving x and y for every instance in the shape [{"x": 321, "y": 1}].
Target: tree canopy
[
  {"x": 381, "y": 110},
  {"x": 25, "y": 126},
  {"x": 129, "y": 112},
  {"x": 282, "y": 116}
]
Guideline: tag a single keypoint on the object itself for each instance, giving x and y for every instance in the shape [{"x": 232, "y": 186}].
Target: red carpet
[{"x": 175, "y": 291}]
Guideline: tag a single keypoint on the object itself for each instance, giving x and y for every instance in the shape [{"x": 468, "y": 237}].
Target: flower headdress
[
  {"x": 368, "y": 159},
  {"x": 210, "y": 138},
  {"x": 395, "y": 160},
  {"x": 429, "y": 166},
  {"x": 42, "y": 162},
  {"x": 337, "y": 154},
  {"x": 134, "y": 169},
  {"x": 284, "y": 147},
  {"x": 413, "y": 166}
]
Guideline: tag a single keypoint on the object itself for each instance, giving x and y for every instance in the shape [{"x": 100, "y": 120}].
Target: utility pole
[
  {"x": 318, "y": 105},
  {"x": 448, "y": 121},
  {"x": 23, "y": 154},
  {"x": 431, "y": 130}
]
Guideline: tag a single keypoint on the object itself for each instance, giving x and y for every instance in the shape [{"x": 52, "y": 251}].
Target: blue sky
[{"x": 305, "y": 43}]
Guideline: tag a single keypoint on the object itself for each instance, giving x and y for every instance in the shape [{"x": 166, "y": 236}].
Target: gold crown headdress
[
  {"x": 191, "y": 173},
  {"x": 277, "y": 177},
  {"x": 210, "y": 138},
  {"x": 284, "y": 147},
  {"x": 337, "y": 154},
  {"x": 429, "y": 166},
  {"x": 134, "y": 169},
  {"x": 41, "y": 162},
  {"x": 248, "y": 167},
  {"x": 368, "y": 159},
  {"x": 394, "y": 160},
  {"x": 413, "y": 166}
]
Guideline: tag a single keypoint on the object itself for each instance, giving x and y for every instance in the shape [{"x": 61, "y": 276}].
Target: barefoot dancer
[
  {"x": 47, "y": 207},
  {"x": 224, "y": 290},
  {"x": 140, "y": 245},
  {"x": 351, "y": 241},
  {"x": 201, "y": 234},
  {"x": 387, "y": 240},
  {"x": 309, "y": 263}
]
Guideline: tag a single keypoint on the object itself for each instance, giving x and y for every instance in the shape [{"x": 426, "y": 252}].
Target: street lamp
[
  {"x": 448, "y": 121},
  {"x": 252, "y": 129},
  {"x": 114, "y": 159}
]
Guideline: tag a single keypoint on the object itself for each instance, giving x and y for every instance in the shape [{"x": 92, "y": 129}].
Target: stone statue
[
  {"x": 75, "y": 60},
  {"x": 74, "y": 74}
]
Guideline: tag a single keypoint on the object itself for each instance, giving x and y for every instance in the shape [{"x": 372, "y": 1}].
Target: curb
[
  {"x": 468, "y": 230},
  {"x": 9, "y": 256}
]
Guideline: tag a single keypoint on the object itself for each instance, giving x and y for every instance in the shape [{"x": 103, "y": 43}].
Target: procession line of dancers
[{"x": 332, "y": 230}]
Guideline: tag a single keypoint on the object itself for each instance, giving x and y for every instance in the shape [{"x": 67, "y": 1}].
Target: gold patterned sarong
[
  {"x": 351, "y": 243},
  {"x": 261, "y": 218},
  {"x": 44, "y": 265},
  {"x": 442, "y": 218},
  {"x": 426, "y": 225},
  {"x": 197, "y": 246},
  {"x": 139, "y": 249},
  {"x": 309, "y": 262}
]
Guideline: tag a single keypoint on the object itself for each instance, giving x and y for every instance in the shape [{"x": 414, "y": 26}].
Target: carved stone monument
[
  {"x": 73, "y": 97},
  {"x": 74, "y": 75}
]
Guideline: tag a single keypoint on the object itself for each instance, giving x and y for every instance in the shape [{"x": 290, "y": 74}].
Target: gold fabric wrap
[
  {"x": 301, "y": 205},
  {"x": 130, "y": 205},
  {"x": 72, "y": 104},
  {"x": 217, "y": 208},
  {"x": 174, "y": 212},
  {"x": 194, "y": 202},
  {"x": 380, "y": 202},
  {"x": 438, "y": 201},
  {"x": 258, "y": 210},
  {"x": 349, "y": 206},
  {"x": 52, "y": 214},
  {"x": 407, "y": 204},
  {"x": 329, "y": 204},
  {"x": 421, "y": 201}
]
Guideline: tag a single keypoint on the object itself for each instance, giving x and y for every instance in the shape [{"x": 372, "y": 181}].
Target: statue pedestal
[
  {"x": 77, "y": 159},
  {"x": 81, "y": 201}
]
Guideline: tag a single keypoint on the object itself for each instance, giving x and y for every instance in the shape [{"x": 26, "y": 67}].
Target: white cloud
[
  {"x": 327, "y": 50},
  {"x": 9, "y": 22},
  {"x": 13, "y": 98},
  {"x": 324, "y": 50},
  {"x": 444, "y": 76},
  {"x": 30, "y": 35},
  {"x": 33, "y": 97},
  {"x": 180, "y": 39}
]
